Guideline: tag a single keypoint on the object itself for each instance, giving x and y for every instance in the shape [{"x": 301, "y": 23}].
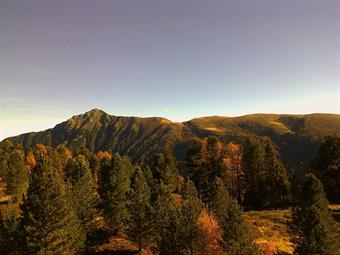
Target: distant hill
[{"x": 297, "y": 136}]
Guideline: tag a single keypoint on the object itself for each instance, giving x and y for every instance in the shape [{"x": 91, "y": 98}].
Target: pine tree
[
  {"x": 220, "y": 199},
  {"x": 177, "y": 222},
  {"x": 169, "y": 231},
  {"x": 254, "y": 166},
  {"x": 312, "y": 227},
  {"x": 164, "y": 170},
  {"x": 267, "y": 180},
  {"x": 141, "y": 223},
  {"x": 10, "y": 239},
  {"x": 204, "y": 161},
  {"x": 14, "y": 176},
  {"x": 191, "y": 208},
  {"x": 277, "y": 183},
  {"x": 326, "y": 166},
  {"x": 49, "y": 220},
  {"x": 84, "y": 191},
  {"x": 116, "y": 180},
  {"x": 236, "y": 236}
]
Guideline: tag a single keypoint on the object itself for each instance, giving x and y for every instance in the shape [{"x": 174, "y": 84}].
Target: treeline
[{"x": 58, "y": 202}]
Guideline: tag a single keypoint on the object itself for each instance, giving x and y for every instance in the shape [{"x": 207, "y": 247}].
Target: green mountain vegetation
[
  {"x": 298, "y": 137},
  {"x": 99, "y": 184}
]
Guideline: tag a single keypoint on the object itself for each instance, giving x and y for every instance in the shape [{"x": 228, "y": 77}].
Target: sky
[{"x": 177, "y": 59}]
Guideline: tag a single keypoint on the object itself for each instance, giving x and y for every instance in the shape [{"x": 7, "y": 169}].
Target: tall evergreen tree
[
  {"x": 49, "y": 220},
  {"x": 254, "y": 166},
  {"x": 169, "y": 231},
  {"x": 14, "y": 175},
  {"x": 196, "y": 169},
  {"x": 84, "y": 190},
  {"x": 267, "y": 180},
  {"x": 141, "y": 223},
  {"x": 312, "y": 227},
  {"x": 10, "y": 239},
  {"x": 116, "y": 181},
  {"x": 164, "y": 170},
  {"x": 190, "y": 208},
  {"x": 326, "y": 166},
  {"x": 237, "y": 238},
  {"x": 204, "y": 161},
  {"x": 277, "y": 181}
]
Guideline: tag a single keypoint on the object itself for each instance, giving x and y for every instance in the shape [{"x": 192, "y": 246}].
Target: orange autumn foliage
[
  {"x": 104, "y": 155},
  {"x": 30, "y": 161},
  {"x": 268, "y": 249},
  {"x": 234, "y": 174},
  {"x": 63, "y": 150},
  {"x": 41, "y": 148},
  {"x": 209, "y": 237}
]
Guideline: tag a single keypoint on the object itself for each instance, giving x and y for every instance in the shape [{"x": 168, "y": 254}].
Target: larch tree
[
  {"x": 209, "y": 237},
  {"x": 234, "y": 174}
]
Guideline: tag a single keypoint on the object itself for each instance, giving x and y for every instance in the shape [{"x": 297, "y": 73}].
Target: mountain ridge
[{"x": 296, "y": 135}]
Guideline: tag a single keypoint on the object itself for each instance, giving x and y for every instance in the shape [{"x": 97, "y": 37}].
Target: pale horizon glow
[{"x": 174, "y": 59}]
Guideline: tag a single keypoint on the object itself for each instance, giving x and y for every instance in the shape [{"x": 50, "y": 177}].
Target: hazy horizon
[{"x": 173, "y": 59}]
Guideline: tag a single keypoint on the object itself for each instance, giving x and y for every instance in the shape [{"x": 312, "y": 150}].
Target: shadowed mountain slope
[{"x": 297, "y": 136}]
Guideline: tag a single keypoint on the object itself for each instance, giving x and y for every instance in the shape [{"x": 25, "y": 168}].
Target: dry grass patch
[{"x": 270, "y": 229}]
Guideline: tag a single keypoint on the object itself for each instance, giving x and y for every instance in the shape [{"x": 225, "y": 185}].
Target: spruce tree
[
  {"x": 236, "y": 235},
  {"x": 116, "y": 180},
  {"x": 312, "y": 227},
  {"x": 49, "y": 220},
  {"x": 84, "y": 190},
  {"x": 141, "y": 223}
]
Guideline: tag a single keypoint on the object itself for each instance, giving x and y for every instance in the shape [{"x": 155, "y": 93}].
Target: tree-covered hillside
[{"x": 54, "y": 200}]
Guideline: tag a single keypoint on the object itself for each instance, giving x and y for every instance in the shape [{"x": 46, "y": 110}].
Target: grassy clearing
[{"x": 270, "y": 227}]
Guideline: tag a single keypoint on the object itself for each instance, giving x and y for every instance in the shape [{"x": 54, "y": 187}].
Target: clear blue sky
[{"x": 173, "y": 58}]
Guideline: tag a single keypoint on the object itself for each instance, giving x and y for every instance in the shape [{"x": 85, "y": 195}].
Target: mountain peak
[
  {"x": 94, "y": 114},
  {"x": 95, "y": 111}
]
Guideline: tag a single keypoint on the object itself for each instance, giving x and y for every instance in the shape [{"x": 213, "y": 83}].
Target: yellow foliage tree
[
  {"x": 208, "y": 241},
  {"x": 104, "y": 155},
  {"x": 41, "y": 148},
  {"x": 30, "y": 161},
  {"x": 268, "y": 249},
  {"x": 234, "y": 175}
]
